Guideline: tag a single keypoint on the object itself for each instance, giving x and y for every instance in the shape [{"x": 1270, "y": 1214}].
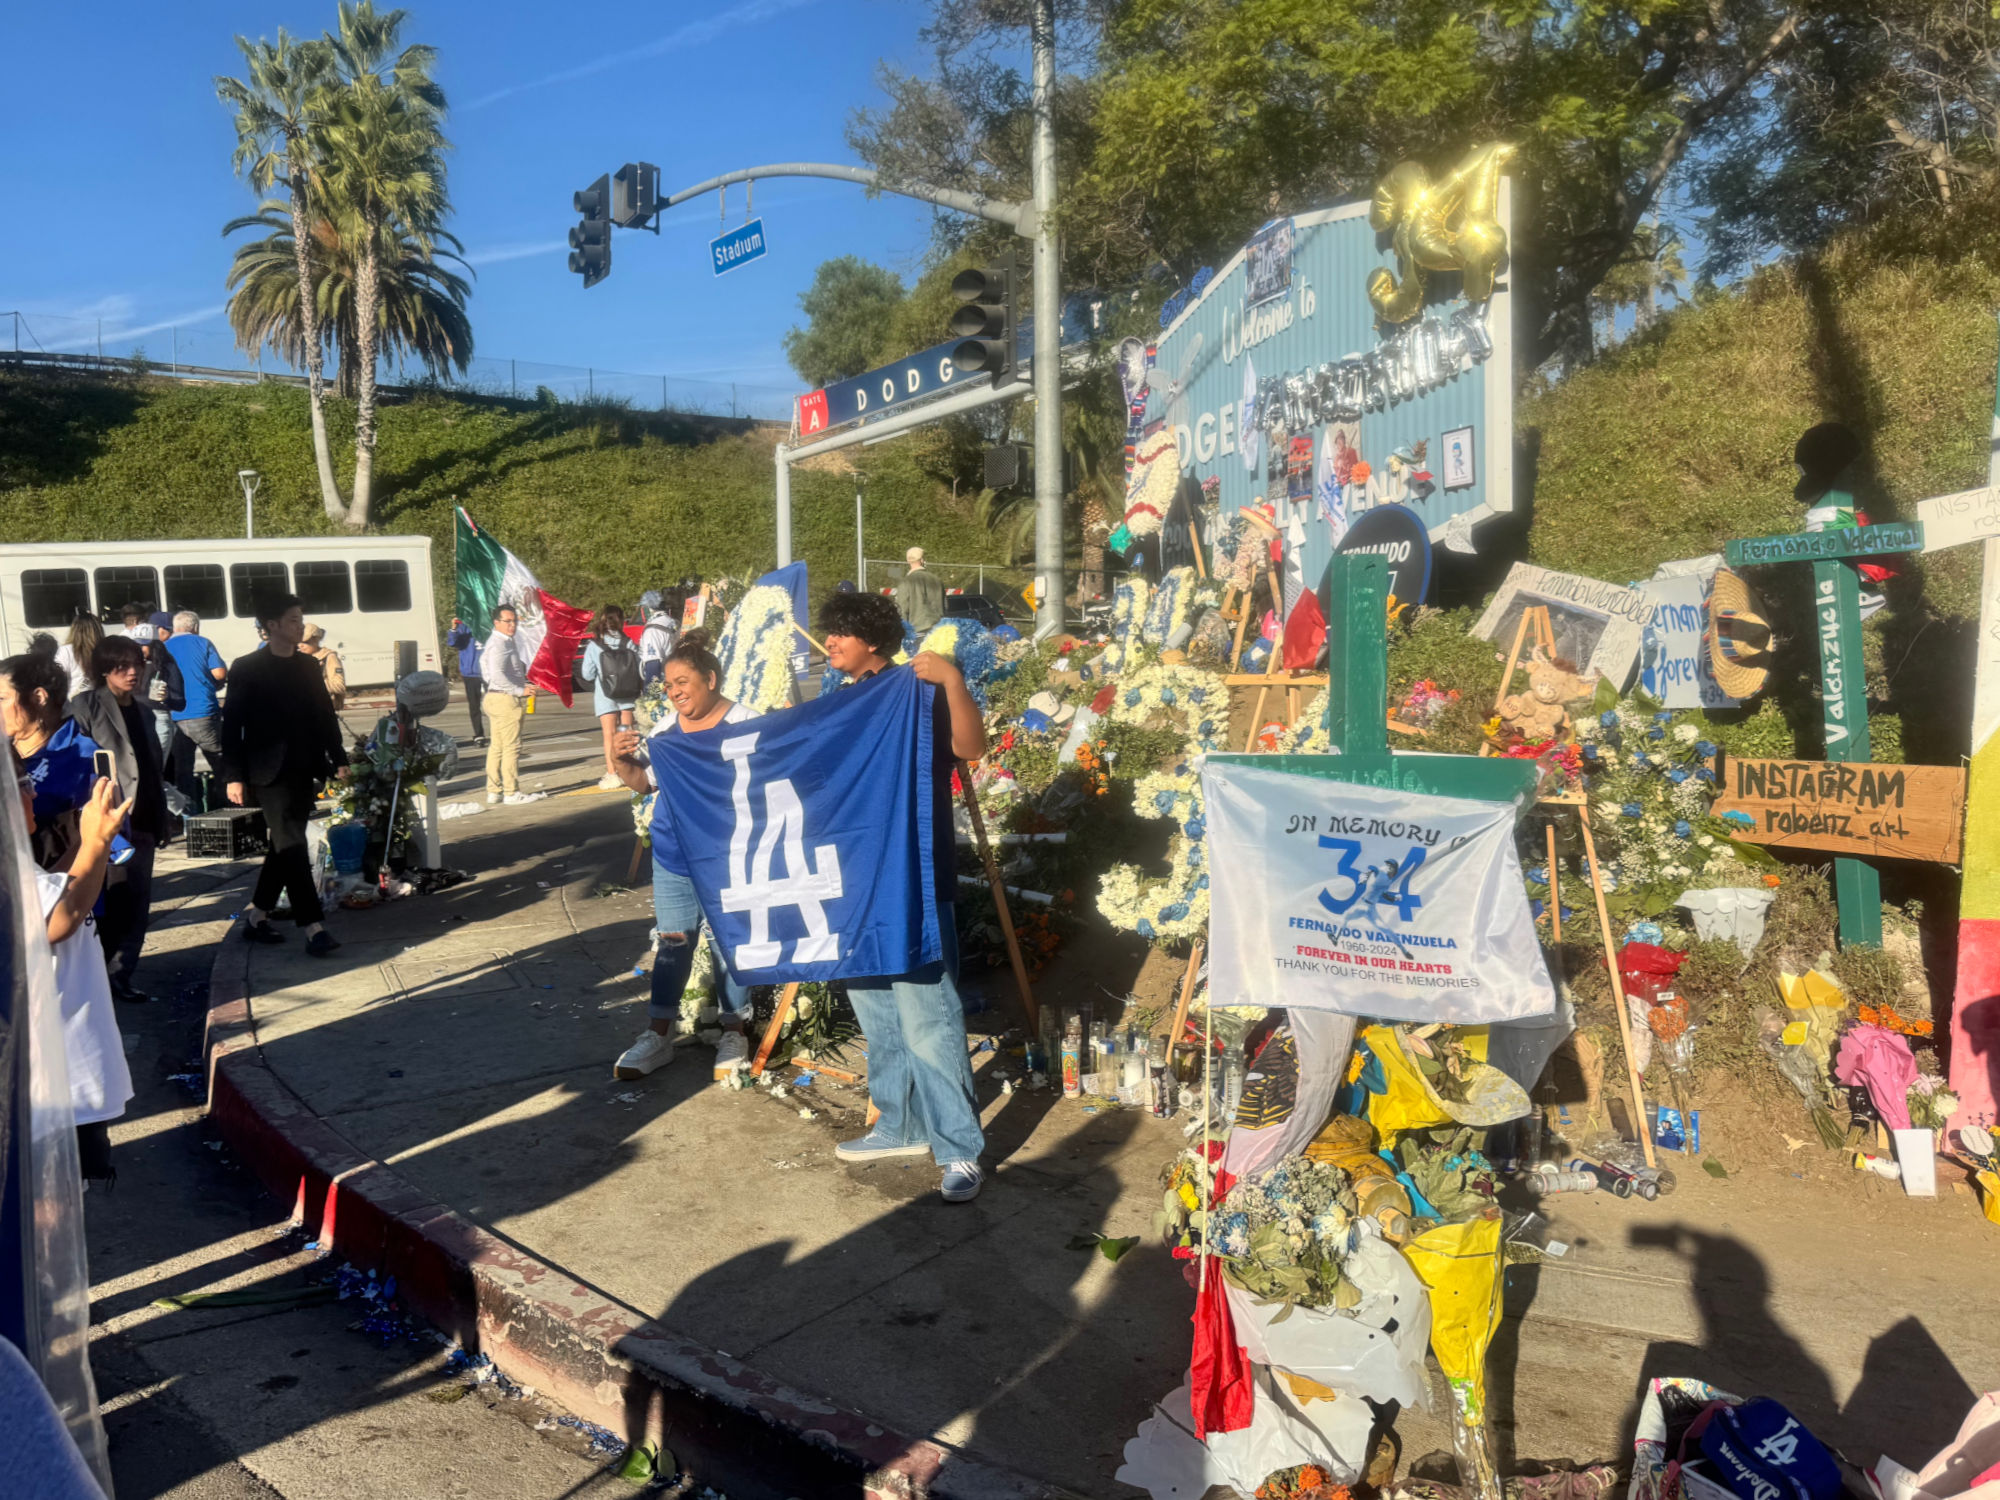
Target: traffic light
[
  {"x": 590, "y": 241},
  {"x": 985, "y": 320},
  {"x": 635, "y": 195}
]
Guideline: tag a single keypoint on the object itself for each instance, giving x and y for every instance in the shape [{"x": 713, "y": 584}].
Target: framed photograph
[
  {"x": 1267, "y": 264},
  {"x": 1597, "y": 625},
  {"x": 1455, "y": 459}
]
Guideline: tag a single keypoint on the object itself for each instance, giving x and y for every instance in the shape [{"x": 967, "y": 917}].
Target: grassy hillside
[
  {"x": 1683, "y": 440},
  {"x": 601, "y": 503}
]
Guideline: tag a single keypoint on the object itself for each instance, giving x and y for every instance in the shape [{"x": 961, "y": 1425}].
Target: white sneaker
[
  {"x": 731, "y": 1053},
  {"x": 492, "y": 799},
  {"x": 651, "y": 1051},
  {"x": 517, "y": 799},
  {"x": 609, "y": 783}
]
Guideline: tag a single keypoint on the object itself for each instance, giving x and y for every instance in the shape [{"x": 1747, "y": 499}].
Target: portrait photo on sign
[
  {"x": 1455, "y": 459},
  {"x": 1577, "y": 630},
  {"x": 1267, "y": 264}
]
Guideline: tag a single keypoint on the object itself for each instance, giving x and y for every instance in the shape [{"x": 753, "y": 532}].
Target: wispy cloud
[
  {"x": 84, "y": 325},
  {"x": 505, "y": 253},
  {"x": 693, "y": 34}
]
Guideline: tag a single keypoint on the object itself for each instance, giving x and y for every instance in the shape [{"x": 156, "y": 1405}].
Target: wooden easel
[
  {"x": 1536, "y": 615},
  {"x": 1187, "y": 994},
  {"x": 1273, "y": 665}
]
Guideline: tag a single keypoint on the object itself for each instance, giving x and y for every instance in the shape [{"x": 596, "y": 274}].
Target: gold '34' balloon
[{"x": 1451, "y": 224}]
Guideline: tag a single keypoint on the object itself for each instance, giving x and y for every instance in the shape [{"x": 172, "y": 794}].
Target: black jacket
[{"x": 277, "y": 721}]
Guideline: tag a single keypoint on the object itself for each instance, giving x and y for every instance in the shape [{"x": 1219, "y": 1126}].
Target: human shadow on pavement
[
  {"x": 994, "y": 1339},
  {"x": 1910, "y": 1398}
]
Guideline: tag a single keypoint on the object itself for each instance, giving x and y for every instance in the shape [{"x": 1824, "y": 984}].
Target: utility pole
[
  {"x": 1048, "y": 335},
  {"x": 860, "y": 554}
]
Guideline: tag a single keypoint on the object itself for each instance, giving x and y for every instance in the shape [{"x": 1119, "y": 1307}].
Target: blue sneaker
[
  {"x": 961, "y": 1181},
  {"x": 875, "y": 1146}
]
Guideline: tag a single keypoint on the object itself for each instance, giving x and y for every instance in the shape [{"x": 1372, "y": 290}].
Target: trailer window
[
  {"x": 196, "y": 586},
  {"x": 248, "y": 580},
  {"x": 382, "y": 585},
  {"x": 54, "y": 596},
  {"x": 118, "y": 587},
  {"x": 323, "y": 588}
]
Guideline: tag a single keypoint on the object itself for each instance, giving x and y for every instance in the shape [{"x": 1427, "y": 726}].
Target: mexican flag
[{"x": 550, "y": 633}]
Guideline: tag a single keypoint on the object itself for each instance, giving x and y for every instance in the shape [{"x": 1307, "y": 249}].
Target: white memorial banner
[{"x": 1367, "y": 900}]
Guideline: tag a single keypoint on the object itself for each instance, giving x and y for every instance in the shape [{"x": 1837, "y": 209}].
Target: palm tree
[
  {"x": 422, "y": 304},
  {"x": 274, "y": 121},
  {"x": 383, "y": 147}
]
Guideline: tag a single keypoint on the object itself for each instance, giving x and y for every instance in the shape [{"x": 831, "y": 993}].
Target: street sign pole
[{"x": 1047, "y": 370}]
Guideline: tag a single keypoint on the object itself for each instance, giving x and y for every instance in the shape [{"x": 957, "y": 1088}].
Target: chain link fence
[{"x": 208, "y": 351}]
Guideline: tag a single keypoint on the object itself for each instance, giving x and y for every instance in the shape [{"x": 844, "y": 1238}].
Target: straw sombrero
[{"x": 1739, "y": 637}]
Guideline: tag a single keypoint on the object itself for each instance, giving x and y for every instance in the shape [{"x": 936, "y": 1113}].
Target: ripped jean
[{"x": 675, "y": 910}]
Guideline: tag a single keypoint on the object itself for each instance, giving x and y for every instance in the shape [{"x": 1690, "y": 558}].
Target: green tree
[
  {"x": 383, "y": 156},
  {"x": 274, "y": 105},
  {"x": 421, "y": 303},
  {"x": 848, "y": 310}
]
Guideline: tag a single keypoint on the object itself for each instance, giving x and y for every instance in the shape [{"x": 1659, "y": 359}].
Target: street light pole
[
  {"x": 860, "y": 555},
  {"x": 1048, "y": 334},
  {"x": 249, "y": 479}
]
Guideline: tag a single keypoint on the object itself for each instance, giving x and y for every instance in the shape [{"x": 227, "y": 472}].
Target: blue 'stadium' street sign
[{"x": 739, "y": 245}]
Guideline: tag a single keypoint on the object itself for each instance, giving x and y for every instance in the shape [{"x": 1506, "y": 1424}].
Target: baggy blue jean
[
  {"x": 675, "y": 909},
  {"x": 919, "y": 1073}
]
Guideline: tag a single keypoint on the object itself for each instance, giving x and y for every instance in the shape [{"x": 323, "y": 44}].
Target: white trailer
[{"x": 368, "y": 591}]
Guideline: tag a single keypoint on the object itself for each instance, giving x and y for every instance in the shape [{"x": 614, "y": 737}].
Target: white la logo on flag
[{"x": 751, "y": 887}]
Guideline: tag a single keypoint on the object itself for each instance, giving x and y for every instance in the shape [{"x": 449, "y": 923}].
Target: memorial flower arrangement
[
  {"x": 756, "y": 650},
  {"x": 382, "y": 773},
  {"x": 1176, "y": 907},
  {"x": 1284, "y": 1234},
  {"x": 1169, "y": 608},
  {"x": 971, "y": 647},
  {"x": 1128, "y": 610},
  {"x": 1651, "y": 787},
  {"x": 1302, "y": 1482},
  {"x": 1195, "y": 698}
]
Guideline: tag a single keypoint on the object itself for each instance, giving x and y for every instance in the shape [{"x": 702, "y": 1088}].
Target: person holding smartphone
[
  {"x": 121, "y": 722},
  {"x": 280, "y": 741}
]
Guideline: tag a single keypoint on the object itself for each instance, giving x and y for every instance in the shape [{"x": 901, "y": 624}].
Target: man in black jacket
[{"x": 280, "y": 740}]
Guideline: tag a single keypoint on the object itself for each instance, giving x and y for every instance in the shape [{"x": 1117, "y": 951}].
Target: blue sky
[{"x": 117, "y": 165}]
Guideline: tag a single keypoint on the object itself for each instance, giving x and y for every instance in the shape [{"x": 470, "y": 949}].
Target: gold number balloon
[{"x": 1452, "y": 224}]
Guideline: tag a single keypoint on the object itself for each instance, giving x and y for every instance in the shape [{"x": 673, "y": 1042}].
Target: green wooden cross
[
  {"x": 1843, "y": 691},
  {"x": 1355, "y": 600}
]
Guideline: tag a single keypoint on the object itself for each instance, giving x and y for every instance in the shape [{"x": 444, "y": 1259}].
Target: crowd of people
[{"x": 105, "y": 731}]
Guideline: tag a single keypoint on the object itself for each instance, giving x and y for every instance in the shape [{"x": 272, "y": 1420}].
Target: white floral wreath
[
  {"x": 1169, "y": 609},
  {"x": 1128, "y": 609},
  {"x": 756, "y": 650}
]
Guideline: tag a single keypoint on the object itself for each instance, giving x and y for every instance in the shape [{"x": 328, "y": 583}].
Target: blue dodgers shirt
[
  {"x": 810, "y": 835},
  {"x": 196, "y": 656}
]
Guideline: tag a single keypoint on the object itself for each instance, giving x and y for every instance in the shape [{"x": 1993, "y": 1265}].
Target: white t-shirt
[
  {"x": 79, "y": 676},
  {"x": 658, "y": 638},
  {"x": 670, "y": 723},
  {"x": 99, "y": 1080}
]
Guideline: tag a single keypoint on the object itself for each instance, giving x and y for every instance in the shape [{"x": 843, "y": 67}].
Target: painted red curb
[{"x": 741, "y": 1430}]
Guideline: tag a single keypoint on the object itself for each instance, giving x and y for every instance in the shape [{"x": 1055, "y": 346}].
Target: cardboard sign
[
  {"x": 1852, "y": 807},
  {"x": 1597, "y": 624},
  {"x": 1954, "y": 520}
]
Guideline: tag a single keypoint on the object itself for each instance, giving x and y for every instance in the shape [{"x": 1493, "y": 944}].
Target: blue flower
[
  {"x": 1664, "y": 716},
  {"x": 1677, "y": 775},
  {"x": 1536, "y": 908},
  {"x": 1167, "y": 695},
  {"x": 1201, "y": 884},
  {"x": 1609, "y": 719},
  {"x": 1175, "y": 912},
  {"x": 1590, "y": 752},
  {"x": 1683, "y": 829},
  {"x": 1704, "y": 748},
  {"x": 1641, "y": 760},
  {"x": 1145, "y": 928},
  {"x": 1194, "y": 828},
  {"x": 1632, "y": 810},
  {"x": 1539, "y": 875},
  {"x": 1163, "y": 802},
  {"x": 1656, "y": 733},
  {"x": 1132, "y": 698},
  {"x": 1704, "y": 774}
]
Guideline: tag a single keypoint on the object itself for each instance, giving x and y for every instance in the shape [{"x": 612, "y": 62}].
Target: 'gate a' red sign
[{"x": 812, "y": 413}]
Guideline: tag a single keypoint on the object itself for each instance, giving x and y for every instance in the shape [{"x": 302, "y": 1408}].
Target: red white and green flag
[{"x": 550, "y": 633}]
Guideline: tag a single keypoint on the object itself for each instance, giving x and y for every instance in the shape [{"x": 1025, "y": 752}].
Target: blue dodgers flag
[{"x": 807, "y": 833}]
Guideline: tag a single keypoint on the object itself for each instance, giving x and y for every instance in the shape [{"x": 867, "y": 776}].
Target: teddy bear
[{"x": 1538, "y": 714}]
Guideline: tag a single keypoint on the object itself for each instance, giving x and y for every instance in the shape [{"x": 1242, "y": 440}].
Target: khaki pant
[{"x": 503, "y": 750}]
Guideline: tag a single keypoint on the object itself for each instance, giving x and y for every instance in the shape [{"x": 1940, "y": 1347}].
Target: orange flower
[{"x": 1772, "y": 881}]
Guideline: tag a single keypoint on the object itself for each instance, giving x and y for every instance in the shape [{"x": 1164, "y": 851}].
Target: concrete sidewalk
[{"x": 464, "y": 1041}]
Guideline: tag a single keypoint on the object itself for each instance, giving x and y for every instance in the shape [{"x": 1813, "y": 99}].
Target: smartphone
[{"x": 105, "y": 764}]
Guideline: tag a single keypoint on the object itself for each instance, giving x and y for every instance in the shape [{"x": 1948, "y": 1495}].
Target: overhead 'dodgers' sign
[
  {"x": 1850, "y": 807},
  {"x": 1427, "y": 403},
  {"x": 922, "y": 374}
]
